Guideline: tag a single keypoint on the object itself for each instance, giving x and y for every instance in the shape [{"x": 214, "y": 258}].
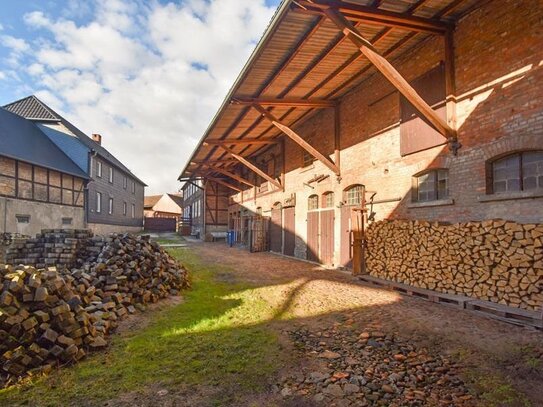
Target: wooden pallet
[
  {"x": 513, "y": 315},
  {"x": 501, "y": 312}
]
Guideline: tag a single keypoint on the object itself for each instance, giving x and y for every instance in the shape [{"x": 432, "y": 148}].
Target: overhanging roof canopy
[{"x": 303, "y": 62}]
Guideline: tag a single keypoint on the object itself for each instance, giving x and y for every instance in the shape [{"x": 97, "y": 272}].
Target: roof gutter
[{"x": 277, "y": 17}]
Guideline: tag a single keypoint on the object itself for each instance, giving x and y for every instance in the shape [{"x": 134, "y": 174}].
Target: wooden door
[
  {"x": 276, "y": 230},
  {"x": 346, "y": 252},
  {"x": 327, "y": 237},
  {"x": 259, "y": 234},
  {"x": 289, "y": 235},
  {"x": 313, "y": 236}
]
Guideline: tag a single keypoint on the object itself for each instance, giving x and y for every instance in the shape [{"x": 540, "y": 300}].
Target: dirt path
[{"x": 498, "y": 364}]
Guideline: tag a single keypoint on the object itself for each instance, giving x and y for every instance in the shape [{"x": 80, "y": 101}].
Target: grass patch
[{"x": 216, "y": 337}]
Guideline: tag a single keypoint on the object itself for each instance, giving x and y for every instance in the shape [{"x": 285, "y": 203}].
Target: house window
[
  {"x": 133, "y": 210},
  {"x": 98, "y": 202},
  {"x": 307, "y": 159},
  {"x": 133, "y": 187},
  {"x": 328, "y": 200},
  {"x": 99, "y": 169},
  {"x": 22, "y": 218},
  {"x": 110, "y": 208},
  {"x": 353, "y": 195},
  {"x": 313, "y": 202},
  {"x": 111, "y": 175},
  {"x": 124, "y": 208},
  {"x": 125, "y": 182},
  {"x": 66, "y": 221},
  {"x": 431, "y": 186},
  {"x": 517, "y": 172}
]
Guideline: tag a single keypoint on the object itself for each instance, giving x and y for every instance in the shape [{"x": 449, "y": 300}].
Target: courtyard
[{"x": 263, "y": 329}]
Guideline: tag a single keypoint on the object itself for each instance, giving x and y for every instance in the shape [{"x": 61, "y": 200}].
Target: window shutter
[{"x": 416, "y": 133}]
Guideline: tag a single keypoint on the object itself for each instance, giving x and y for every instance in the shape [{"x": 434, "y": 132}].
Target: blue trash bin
[{"x": 230, "y": 237}]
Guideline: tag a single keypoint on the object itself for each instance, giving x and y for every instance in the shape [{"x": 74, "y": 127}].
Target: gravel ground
[{"x": 354, "y": 344}]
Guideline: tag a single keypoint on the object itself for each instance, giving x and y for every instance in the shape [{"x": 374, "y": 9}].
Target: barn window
[
  {"x": 328, "y": 200},
  {"x": 431, "y": 186},
  {"x": 313, "y": 202},
  {"x": 521, "y": 171},
  {"x": 353, "y": 195}
]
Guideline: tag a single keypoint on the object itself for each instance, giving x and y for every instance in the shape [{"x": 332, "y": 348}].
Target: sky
[{"x": 148, "y": 75}]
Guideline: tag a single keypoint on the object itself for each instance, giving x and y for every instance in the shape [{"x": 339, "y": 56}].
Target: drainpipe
[
  {"x": 6, "y": 215},
  {"x": 92, "y": 154}
]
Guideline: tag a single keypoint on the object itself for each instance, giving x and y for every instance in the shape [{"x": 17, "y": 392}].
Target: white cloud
[
  {"x": 132, "y": 74},
  {"x": 2, "y": 75}
]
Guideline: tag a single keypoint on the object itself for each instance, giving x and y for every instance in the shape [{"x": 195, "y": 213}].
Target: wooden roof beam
[
  {"x": 298, "y": 139},
  {"x": 211, "y": 162},
  {"x": 373, "y": 15},
  {"x": 252, "y": 167},
  {"x": 315, "y": 103},
  {"x": 239, "y": 141},
  {"x": 394, "y": 77},
  {"x": 223, "y": 182},
  {"x": 229, "y": 174}
]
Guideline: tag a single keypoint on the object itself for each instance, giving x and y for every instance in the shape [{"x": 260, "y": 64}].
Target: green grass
[{"x": 216, "y": 337}]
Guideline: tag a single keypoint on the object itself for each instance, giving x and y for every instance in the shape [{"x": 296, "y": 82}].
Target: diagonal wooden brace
[
  {"x": 224, "y": 183},
  {"x": 298, "y": 139},
  {"x": 252, "y": 167},
  {"x": 229, "y": 174},
  {"x": 397, "y": 80}
]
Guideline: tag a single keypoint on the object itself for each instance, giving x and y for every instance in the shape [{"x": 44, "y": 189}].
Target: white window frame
[
  {"x": 98, "y": 202},
  {"x": 125, "y": 208},
  {"x": 110, "y": 179},
  {"x": 125, "y": 182},
  {"x": 110, "y": 206},
  {"x": 133, "y": 210},
  {"x": 133, "y": 187},
  {"x": 98, "y": 169}
]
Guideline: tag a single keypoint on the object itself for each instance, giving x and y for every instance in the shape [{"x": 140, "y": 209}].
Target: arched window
[
  {"x": 313, "y": 202},
  {"x": 430, "y": 185},
  {"x": 328, "y": 200},
  {"x": 515, "y": 172},
  {"x": 353, "y": 195}
]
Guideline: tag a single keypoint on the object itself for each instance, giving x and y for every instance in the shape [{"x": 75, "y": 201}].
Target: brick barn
[{"x": 389, "y": 137}]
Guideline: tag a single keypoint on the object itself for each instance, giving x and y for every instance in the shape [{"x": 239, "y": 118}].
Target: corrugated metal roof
[
  {"x": 304, "y": 55},
  {"x": 39, "y": 111},
  {"x": 21, "y": 139}
]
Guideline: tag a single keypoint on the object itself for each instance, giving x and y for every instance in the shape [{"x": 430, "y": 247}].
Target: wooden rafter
[
  {"x": 229, "y": 174},
  {"x": 229, "y": 142},
  {"x": 389, "y": 72},
  {"x": 223, "y": 182},
  {"x": 211, "y": 162},
  {"x": 298, "y": 139},
  {"x": 252, "y": 167},
  {"x": 284, "y": 102},
  {"x": 372, "y": 15}
]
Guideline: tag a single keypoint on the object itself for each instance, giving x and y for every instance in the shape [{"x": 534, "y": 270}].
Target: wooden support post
[
  {"x": 298, "y": 139},
  {"x": 252, "y": 167},
  {"x": 450, "y": 87},
  {"x": 390, "y": 72},
  {"x": 222, "y": 182},
  {"x": 337, "y": 136}
]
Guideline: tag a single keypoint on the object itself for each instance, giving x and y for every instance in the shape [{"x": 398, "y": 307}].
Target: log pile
[
  {"x": 56, "y": 316},
  {"x": 493, "y": 260}
]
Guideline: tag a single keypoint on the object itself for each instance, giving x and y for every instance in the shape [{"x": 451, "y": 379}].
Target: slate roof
[
  {"x": 177, "y": 198},
  {"x": 21, "y": 139},
  {"x": 32, "y": 108}
]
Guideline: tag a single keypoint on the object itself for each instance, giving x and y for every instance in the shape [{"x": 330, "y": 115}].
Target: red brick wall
[{"x": 499, "y": 72}]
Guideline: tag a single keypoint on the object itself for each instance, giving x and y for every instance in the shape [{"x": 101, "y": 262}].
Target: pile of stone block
[
  {"x": 56, "y": 316},
  {"x": 62, "y": 247}
]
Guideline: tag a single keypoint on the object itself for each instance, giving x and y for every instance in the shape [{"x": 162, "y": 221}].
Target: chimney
[{"x": 97, "y": 138}]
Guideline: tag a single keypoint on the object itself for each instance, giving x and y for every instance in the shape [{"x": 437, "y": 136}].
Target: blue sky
[{"x": 139, "y": 72}]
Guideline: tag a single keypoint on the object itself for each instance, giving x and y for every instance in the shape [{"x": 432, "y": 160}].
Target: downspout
[
  {"x": 204, "y": 209},
  {"x": 92, "y": 154}
]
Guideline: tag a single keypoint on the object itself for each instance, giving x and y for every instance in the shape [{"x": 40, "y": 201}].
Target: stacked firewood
[
  {"x": 492, "y": 260},
  {"x": 50, "y": 317}
]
